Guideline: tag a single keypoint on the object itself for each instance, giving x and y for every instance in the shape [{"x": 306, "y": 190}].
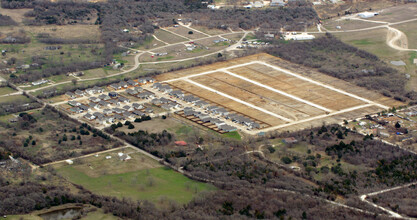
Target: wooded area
[{"x": 335, "y": 58}]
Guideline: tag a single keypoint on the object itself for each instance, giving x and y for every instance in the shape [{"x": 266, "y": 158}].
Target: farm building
[
  {"x": 299, "y": 37},
  {"x": 367, "y": 14}
]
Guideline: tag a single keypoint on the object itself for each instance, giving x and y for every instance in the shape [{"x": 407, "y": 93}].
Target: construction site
[{"x": 275, "y": 94}]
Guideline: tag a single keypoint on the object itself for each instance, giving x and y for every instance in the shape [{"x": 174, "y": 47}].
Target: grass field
[
  {"x": 233, "y": 134},
  {"x": 13, "y": 98},
  {"x": 136, "y": 179},
  {"x": 149, "y": 44},
  {"x": 409, "y": 29},
  {"x": 210, "y": 31},
  {"x": 397, "y": 13},
  {"x": 6, "y": 90},
  {"x": 184, "y": 31},
  {"x": 168, "y": 37}
]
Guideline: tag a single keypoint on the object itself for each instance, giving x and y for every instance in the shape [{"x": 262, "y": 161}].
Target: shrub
[{"x": 286, "y": 160}]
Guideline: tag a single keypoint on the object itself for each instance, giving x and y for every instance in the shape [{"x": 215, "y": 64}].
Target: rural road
[
  {"x": 137, "y": 63},
  {"x": 394, "y": 36}
]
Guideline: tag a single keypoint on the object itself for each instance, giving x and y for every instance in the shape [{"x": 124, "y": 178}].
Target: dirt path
[
  {"x": 137, "y": 63},
  {"x": 84, "y": 156},
  {"x": 195, "y": 30},
  {"x": 159, "y": 40},
  {"x": 391, "y": 213},
  {"x": 397, "y": 39},
  {"x": 171, "y": 32}
]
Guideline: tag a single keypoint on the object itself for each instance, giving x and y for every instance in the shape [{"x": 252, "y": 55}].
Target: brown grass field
[
  {"x": 183, "y": 31},
  {"x": 397, "y": 13},
  {"x": 302, "y": 95}
]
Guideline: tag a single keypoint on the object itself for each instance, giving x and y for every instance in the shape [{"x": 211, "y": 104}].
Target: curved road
[{"x": 141, "y": 52}]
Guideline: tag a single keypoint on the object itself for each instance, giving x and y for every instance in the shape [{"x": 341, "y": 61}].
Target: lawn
[
  {"x": 233, "y": 134},
  {"x": 14, "y": 98},
  {"x": 6, "y": 90},
  {"x": 145, "y": 184}
]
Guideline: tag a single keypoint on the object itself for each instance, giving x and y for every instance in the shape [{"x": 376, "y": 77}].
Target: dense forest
[{"x": 146, "y": 16}]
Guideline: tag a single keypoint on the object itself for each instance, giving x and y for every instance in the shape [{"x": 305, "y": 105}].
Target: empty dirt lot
[{"x": 279, "y": 94}]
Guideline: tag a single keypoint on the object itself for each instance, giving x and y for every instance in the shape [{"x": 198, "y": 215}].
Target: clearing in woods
[
  {"x": 276, "y": 93},
  {"x": 139, "y": 178}
]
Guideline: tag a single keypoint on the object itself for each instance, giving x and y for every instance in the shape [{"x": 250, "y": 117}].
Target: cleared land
[
  {"x": 168, "y": 37},
  {"x": 14, "y": 98},
  {"x": 139, "y": 178},
  {"x": 6, "y": 90},
  {"x": 227, "y": 103},
  {"x": 396, "y": 14},
  {"x": 211, "y": 31},
  {"x": 16, "y": 14},
  {"x": 409, "y": 29},
  {"x": 298, "y": 87},
  {"x": 347, "y": 24},
  {"x": 277, "y": 93},
  {"x": 184, "y": 31}
]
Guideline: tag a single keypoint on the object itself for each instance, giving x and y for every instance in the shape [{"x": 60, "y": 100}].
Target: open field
[
  {"x": 397, "y": 13},
  {"x": 210, "y": 31},
  {"x": 16, "y": 14},
  {"x": 332, "y": 10},
  {"x": 258, "y": 96},
  {"x": 157, "y": 125},
  {"x": 91, "y": 32},
  {"x": 179, "y": 51},
  {"x": 168, "y": 37},
  {"x": 6, "y": 90},
  {"x": 149, "y": 44},
  {"x": 276, "y": 93},
  {"x": 183, "y": 31},
  {"x": 14, "y": 98},
  {"x": 410, "y": 30},
  {"x": 347, "y": 24},
  {"x": 139, "y": 178},
  {"x": 226, "y": 103}
]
